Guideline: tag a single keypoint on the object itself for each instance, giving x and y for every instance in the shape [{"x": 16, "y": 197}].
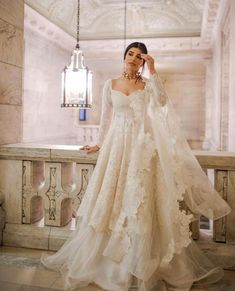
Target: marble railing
[
  {"x": 87, "y": 134},
  {"x": 43, "y": 187}
]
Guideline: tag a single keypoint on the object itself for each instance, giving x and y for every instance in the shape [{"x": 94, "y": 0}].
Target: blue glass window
[{"x": 82, "y": 114}]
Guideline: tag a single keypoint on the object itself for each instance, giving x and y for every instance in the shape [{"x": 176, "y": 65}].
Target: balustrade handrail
[
  {"x": 40, "y": 152},
  {"x": 62, "y": 153}
]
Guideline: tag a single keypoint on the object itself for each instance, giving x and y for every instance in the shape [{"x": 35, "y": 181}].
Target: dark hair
[{"x": 139, "y": 45}]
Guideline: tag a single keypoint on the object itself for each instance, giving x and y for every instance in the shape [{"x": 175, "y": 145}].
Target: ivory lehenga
[{"x": 131, "y": 223}]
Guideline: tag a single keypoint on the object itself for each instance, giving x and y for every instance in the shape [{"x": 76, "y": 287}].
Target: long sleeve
[
  {"x": 158, "y": 89},
  {"x": 106, "y": 113}
]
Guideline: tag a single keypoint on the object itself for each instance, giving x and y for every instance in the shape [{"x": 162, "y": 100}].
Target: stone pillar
[
  {"x": 231, "y": 129},
  {"x": 2, "y": 216},
  {"x": 208, "y": 143},
  {"x": 11, "y": 70}
]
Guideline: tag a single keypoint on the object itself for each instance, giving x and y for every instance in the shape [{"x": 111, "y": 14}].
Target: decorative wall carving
[
  {"x": 210, "y": 15},
  {"x": 176, "y": 48}
]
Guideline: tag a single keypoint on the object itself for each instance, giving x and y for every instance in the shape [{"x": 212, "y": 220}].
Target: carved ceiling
[{"x": 104, "y": 19}]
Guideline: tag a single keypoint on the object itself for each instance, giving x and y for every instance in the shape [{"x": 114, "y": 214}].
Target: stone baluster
[
  {"x": 91, "y": 137},
  {"x": 221, "y": 185},
  {"x": 32, "y": 206},
  {"x": 230, "y": 220},
  {"x": 195, "y": 225},
  {"x": 83, "y": 174},
  {"x": 87, "y": 134},
  {"x": 68, "y": 176},
  {"x": 57, "y": 205}
]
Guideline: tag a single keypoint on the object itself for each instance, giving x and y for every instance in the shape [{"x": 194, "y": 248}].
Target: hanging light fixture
[
  {"x": 77, "y": 78},
  {"x": 124, "y": 25}
]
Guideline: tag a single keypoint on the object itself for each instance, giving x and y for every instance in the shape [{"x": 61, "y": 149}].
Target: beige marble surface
[
  {"x": 216, "y": 159},
  {"x": 20, "y": 269},
  {"x": 44, "y": 61},
  {"x": 10, "y": 84},
  {"x": 57, "y": 237},
  {"x": 11, "y": 187},
  {"x": 12, "y": 12},
  {"x": 34, "y": 151},
  {"x": 24, "y": 151},
  {"x": 10, "y": 123},
  {"x": 74, "y": 153},
  {"x": 221, "y": 254},
  {"x": 11, "y": 67},
  {"x": 44, "y": 152},
  {"x": 27, "y": 236},
  {"x": 11, "y": 44}
]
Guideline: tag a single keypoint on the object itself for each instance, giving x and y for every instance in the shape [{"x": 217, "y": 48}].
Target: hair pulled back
[{"x": 139, "y": 45}]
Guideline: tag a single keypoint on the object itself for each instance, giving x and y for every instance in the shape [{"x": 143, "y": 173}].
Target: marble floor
[{"x": 20, "y": 270}]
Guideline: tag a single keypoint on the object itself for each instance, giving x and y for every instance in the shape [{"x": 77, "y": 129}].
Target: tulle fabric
[
  {"x": 130, "y": 223},
  {"x": 180, "y": 167}
]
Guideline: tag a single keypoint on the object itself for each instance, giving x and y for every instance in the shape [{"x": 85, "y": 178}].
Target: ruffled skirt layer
[
  {"x": 83, "y": 260},
  {"x": 130, "y": 226}
]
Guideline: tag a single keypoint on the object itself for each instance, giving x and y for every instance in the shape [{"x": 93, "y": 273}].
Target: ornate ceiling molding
[
  {"x": 213, "y": 15},
  {"x": 185, "y": 49},
  {"x": 104, "y": 19}
]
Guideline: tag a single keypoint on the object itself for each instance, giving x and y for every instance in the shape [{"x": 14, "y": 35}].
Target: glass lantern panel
[
  {"x": 75, "y": 86},
  {"x": 89, "y": 89}
]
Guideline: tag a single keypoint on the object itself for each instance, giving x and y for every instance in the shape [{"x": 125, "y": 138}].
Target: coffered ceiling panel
[{"x": 104, "y": 19}]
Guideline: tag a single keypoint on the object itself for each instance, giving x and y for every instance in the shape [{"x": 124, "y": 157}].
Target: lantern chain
[
  {"x": 125, "y": 12},
  {"x": 78, "y": 22}
]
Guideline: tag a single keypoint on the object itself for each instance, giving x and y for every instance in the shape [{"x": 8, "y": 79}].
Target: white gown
[{"x": 131, "y": 223}]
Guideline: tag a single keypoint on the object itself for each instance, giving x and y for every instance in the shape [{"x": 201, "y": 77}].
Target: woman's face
[{"x": 133, "y": 60}]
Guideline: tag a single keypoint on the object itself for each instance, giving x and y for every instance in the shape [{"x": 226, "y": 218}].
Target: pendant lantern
[{"x": 77, "y": 78}]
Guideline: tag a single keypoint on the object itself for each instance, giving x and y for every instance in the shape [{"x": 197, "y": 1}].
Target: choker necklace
[{"x": 134, "y": 76}]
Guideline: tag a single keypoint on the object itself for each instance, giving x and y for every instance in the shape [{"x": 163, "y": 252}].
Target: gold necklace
[{"x": 131, "y": 76}]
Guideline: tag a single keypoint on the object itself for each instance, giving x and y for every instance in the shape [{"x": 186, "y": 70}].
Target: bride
[{"x": 147, "y": 187}]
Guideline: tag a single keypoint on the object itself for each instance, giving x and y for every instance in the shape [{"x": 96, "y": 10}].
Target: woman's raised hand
[
  {"x": 90, "y": 149},
  {"x": 150, "y": 63}
]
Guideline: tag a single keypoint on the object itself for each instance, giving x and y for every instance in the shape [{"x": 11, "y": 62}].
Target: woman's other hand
[
  {"x": 90, "y": 149},
  {"x": 150, "y": 63}
]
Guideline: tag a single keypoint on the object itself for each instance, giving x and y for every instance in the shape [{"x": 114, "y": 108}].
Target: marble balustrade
[
  {"x": 47, "y": 183},
  {"x": 87, "y": 134}
]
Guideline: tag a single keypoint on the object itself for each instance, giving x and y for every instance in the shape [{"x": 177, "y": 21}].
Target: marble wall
[
  {"x": 222, "y": 80},
  {"x": 43, "y": 118},
  {"x": 44, "y": 121},
  {"x": 11, "y": 70},
  {"x": 187, "y": 93}
]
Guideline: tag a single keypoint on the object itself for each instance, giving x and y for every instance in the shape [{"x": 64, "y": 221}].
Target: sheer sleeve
[
  {"x": 158, "y": 89},
  {"x": 185, "y": 179},
  {"x": 106, "y": 113}
]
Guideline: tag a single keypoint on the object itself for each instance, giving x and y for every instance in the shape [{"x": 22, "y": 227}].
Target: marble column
[
  {"x": 2, "y": 216},
  {"x": 231, "y": 131},
  {"x": 11, "y": 70}
]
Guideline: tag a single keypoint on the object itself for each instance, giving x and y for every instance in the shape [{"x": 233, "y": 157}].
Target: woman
[{"x": 131, "y": 223}]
